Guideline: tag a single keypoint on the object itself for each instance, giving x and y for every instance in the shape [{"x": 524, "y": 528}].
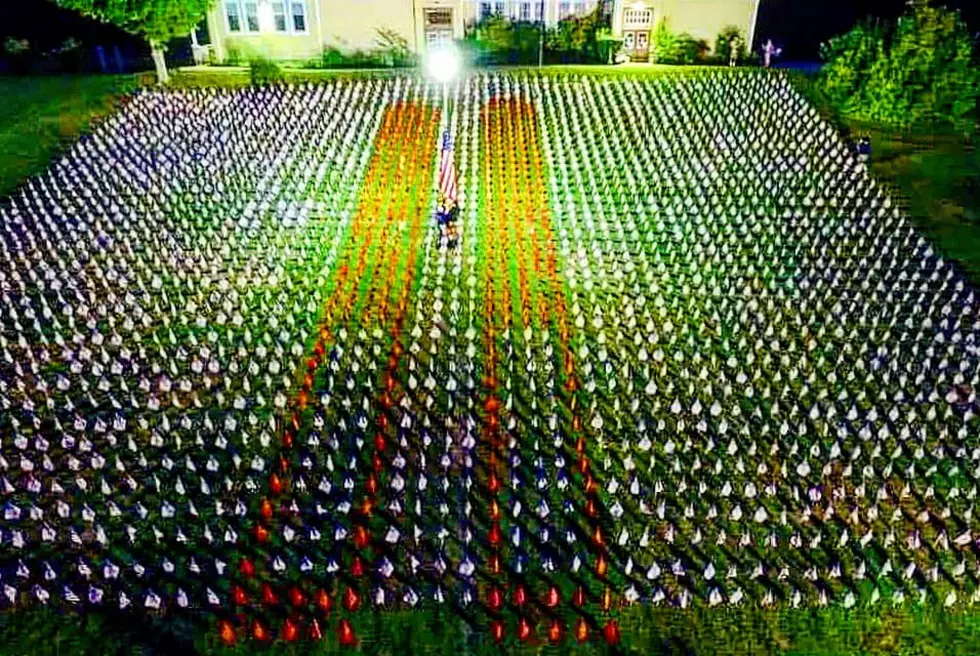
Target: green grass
[
  {"x": 937, "y": 179},
  {"x": 923, "y": 630},
  {"x": 937, "y": 176},
  {"x": 39, "y": 116},
  {"x": 933, "y": 173},
  {"x": 238, "y": 76}
]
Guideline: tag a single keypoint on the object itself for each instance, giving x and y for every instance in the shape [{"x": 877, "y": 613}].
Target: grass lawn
[
  {"x": 936, "y": 174},
  {"x": 646, "y": 630},
  {"x": 937, "y": 177},
  {"x": 238, "y": 76},
  {"x": 41, "y": 115}
]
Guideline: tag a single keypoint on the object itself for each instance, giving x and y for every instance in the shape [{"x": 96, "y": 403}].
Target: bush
[
  {"x": 233, "y": 56},
  {"x": 723, "y": 45},
  {"x": 673, "y": 48},
  {"x": 578, "y": 39},
  {"x": 13, "y": 46},
  {"x": 264, "y": 72},
  {"x": 392, "y": 52},
  {"x": 609, "y": 45},
  {"x": 498, "y": 40},
  {"x": 393, "y": 49},
  {"x": 918, "y": 71}
]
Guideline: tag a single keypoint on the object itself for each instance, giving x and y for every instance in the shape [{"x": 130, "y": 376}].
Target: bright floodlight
[{"x": 443, "y": 64}]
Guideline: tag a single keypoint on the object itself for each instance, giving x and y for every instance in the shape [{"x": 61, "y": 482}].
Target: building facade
[
  {"x": 635, "y": 21},
  {"x": 302, "y": 29}
]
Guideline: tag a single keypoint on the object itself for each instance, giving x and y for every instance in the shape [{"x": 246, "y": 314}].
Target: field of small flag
[{"x": 686, "y": 356}]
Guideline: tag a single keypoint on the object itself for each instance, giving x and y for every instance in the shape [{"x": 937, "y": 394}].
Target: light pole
[{"x": 541, "y": 38}]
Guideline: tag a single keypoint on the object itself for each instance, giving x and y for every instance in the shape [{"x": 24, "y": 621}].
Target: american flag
[{"x": 447, "y": 172}]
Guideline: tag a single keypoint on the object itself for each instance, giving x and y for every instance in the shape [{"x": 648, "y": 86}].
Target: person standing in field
[
  {"x": 733, "y": 47},
  {"x": 769, "y": 50}
]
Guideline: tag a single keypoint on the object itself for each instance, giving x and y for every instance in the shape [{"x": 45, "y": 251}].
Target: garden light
[{"x": 443, "y": 64}]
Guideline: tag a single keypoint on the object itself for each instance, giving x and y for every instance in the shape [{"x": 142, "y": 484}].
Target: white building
[{"x": 301, "y": 29}]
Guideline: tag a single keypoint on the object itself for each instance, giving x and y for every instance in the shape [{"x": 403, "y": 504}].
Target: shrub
[
  {"x": 576, "y": 39},
  {"x": 13, "y": 46},
  {"x": 393, "y": 48},
  {"x": 233, "y": 56},
  {"x": 386, "y": 57},
  {"x": 609, "y": 45},
  {"x": 917, "y": 71},
  {"x": 264, "y": 72},
  {"x": 677, "y": 48},
  {"x": 723, "y": 44}
]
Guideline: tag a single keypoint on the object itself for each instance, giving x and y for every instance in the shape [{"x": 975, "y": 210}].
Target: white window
[
  {"x": 279, "y": 15},
  {"x": 288, "y": 16},
  {"x": 525, "y": 11},
  {"x": 637, "y": 17},
  {"x": 299, "y": 15},
  {"x": 563, "y": 10},
  {"x": 539, "y": 11},
  {"x": 233, "y": 12},
  {"x": 499, "y": 9},
  {"x": 641, "y": 41},
  {"x": 436, "y": 38},
  {"x": 251, "y": 15},
  {"x": 629, "y": 40}
]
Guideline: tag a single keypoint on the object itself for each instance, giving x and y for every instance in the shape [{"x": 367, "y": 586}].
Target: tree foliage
[
  {"x": 576, "y": 39},
  {"x": 498, "y": 40},
  {"x": 393, "y": 48},
  {"x": 723, "y": 44},
  {"x": 671, "y": 47},
  {"x": 579, "y": 39},
  {"x": 158, "y": 21},
  {"x": 919, "y": 70}
]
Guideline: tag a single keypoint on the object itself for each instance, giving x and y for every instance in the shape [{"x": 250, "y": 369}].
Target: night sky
[
  {"x": 798, "y": 26},
  {"x": 47, "y": 26}
]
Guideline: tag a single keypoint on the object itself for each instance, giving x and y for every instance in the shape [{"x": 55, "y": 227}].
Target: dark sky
[
  {"x": 47, "y": 26},
  {"x": 799, "y": 26}
]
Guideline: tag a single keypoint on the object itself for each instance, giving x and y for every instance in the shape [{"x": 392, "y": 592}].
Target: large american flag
[{"x": 447, "y": 172}]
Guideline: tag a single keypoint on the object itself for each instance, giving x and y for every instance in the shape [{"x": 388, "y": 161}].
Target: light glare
[{"x": 443, "y": 64}]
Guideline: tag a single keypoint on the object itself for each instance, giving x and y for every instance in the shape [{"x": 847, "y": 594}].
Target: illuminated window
[
  {"x": 234, "y": 15},
  {"x": 299, "y": 15},
  {"x": 251, "y": 15},
  {"x": 637, "y": 17},
  {"x": 279, "y": 15}
]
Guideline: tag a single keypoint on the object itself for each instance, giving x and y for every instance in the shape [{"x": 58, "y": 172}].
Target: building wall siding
[
  {"x": 702, "y": 19},
  {"x": 353, "y": 24}
]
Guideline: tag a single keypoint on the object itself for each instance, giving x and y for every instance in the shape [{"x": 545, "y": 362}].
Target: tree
[
  {"x": 676, "y": 48},
  {"x": 723, "y": 44},
  {"x": 917, "y": 71},
  {"x": 609, "y": 45},
  {"x": 576, "y": 38},
  {"x": 157, "y": 21}
]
